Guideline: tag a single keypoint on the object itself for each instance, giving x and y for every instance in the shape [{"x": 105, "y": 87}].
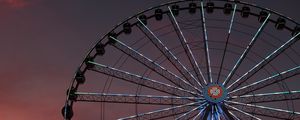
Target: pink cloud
[{"x": 14, "y": 3}]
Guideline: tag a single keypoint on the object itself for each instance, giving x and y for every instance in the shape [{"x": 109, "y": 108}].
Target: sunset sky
[{"x": 42, "y": 42}]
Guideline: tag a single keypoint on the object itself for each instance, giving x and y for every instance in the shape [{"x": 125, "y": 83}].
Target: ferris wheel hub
[{"x": 215, "y": 93}]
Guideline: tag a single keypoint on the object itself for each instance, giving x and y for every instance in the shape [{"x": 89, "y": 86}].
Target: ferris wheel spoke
[
  {"x": 134, "y": 99},
  {"x": 154, "y": 66},
  {"x": 192, "y": 115},
  {"x": 187, "y": 49},
  {"x": 166, "y": 52},
  {"x": 227, "y": 41},
  {"x": 264, "y": 62},
  {"x": 235, "y": 117},
  {"x": 246, "y": 51},
  {"x": 223, "y": 111},
  {"x": 183, "y": 116},
  {"x": 187, "y": 114},
  {"x": 140, "y": 80},
  {"x": 205, "y": 40},
  {"x": 162, "y": 113},
  {"x": 207, "y": 113},
  {"x": 268, "y": 97},
  {"x": 217, "y": 114},
  {"x": 267, "y": 81},
  {"x": 267, "y": 111},
  {"x": 199, "y": 114},
  {"x": 243, "y": 112}
]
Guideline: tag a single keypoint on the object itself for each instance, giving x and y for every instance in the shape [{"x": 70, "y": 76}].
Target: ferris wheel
[{"x": 192, "y": 60}]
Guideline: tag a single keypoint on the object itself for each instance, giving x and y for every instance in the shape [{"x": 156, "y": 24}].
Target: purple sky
[{"x": 42, "y": 42}]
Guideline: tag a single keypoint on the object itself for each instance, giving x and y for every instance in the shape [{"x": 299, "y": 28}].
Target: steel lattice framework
[{"x": 194, "y": 59}]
